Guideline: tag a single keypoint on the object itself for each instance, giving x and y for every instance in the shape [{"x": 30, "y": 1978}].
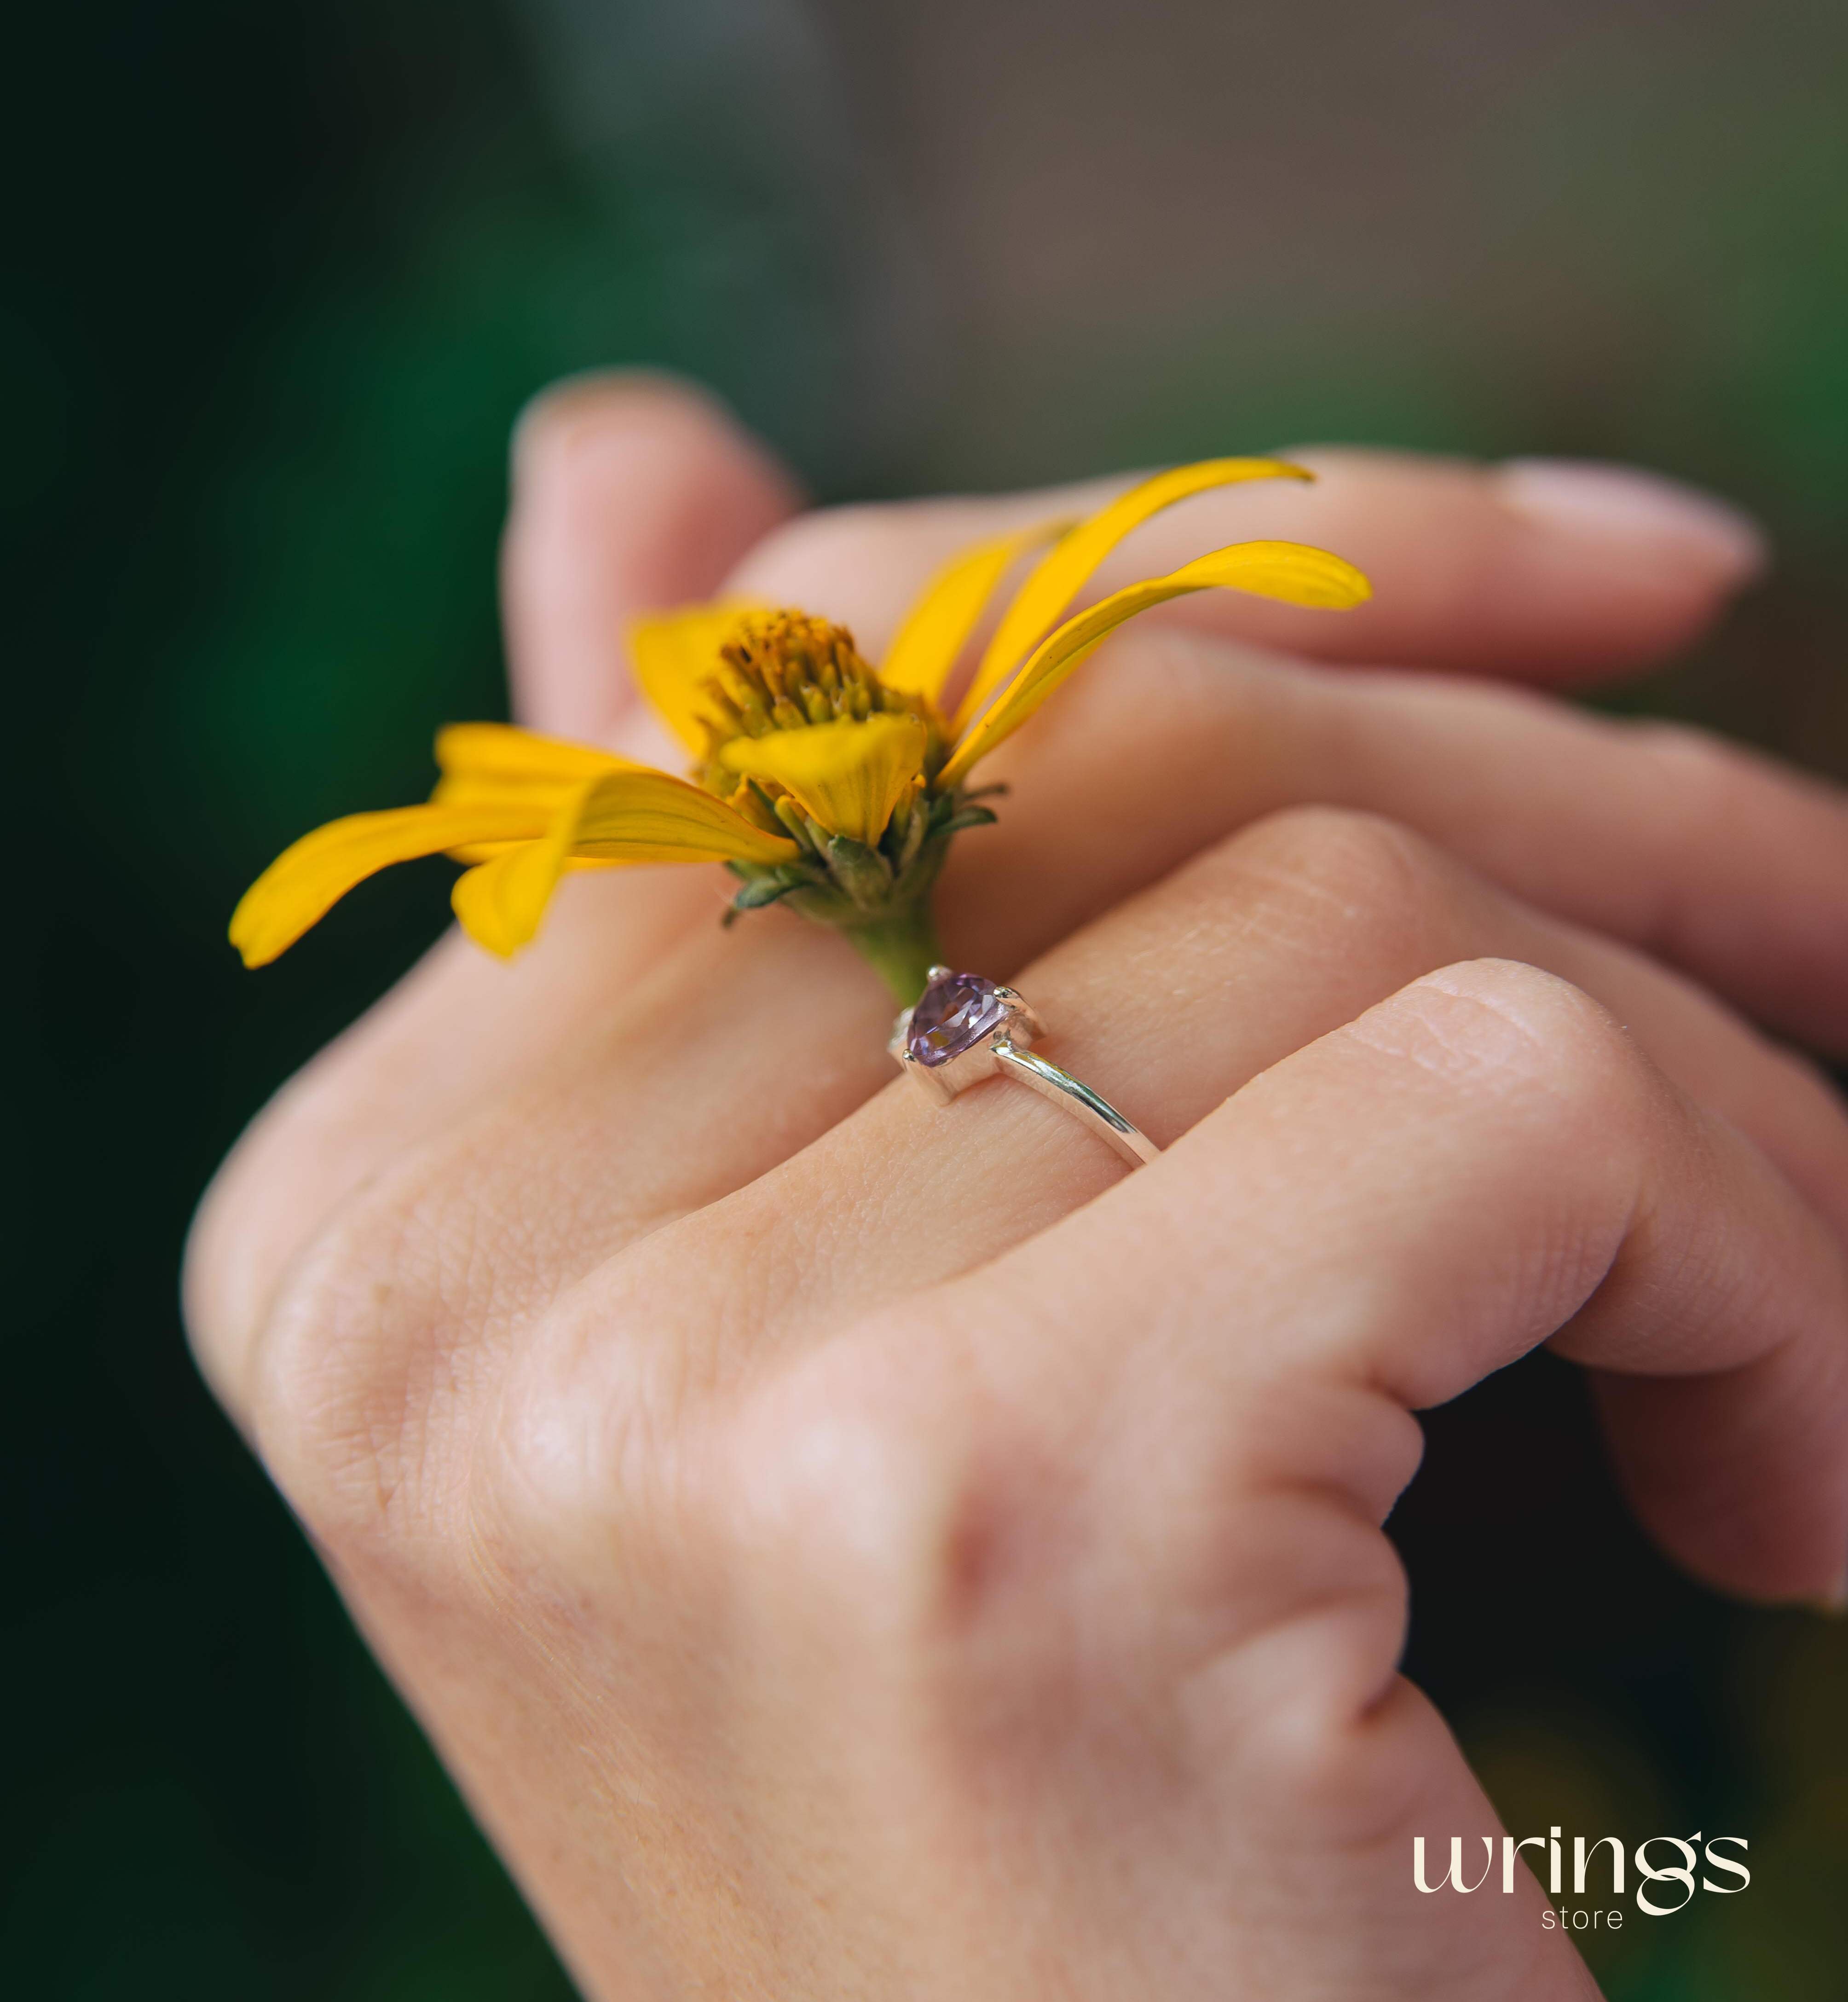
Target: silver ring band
[
  {"x": 1083, "y": 1104},
  {"x": 963, "y": 1028}
]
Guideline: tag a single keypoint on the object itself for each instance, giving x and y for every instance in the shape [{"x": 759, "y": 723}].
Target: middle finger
[{"x": 1168, "y": 1006}]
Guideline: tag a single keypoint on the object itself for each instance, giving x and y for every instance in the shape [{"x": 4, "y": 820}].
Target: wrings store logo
[{"x": 1662, "y": 1888}]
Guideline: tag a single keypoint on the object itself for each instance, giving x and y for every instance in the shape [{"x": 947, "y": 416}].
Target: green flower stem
[{"x": 902, "y": 945}]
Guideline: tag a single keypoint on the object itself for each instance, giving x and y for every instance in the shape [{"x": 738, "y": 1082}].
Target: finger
[
  {"x": 1168, "y": 1006},
  {"x": 1704, "y": 854},
  {"x": 1541, "y": 570},
  {"x": 631, "y": 491},
  {"x": 1480, "y": 1162}
]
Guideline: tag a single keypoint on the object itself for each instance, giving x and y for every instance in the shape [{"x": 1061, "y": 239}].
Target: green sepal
[
  {"x": 863, "y": 872},
  {"x": 967, "y": 817},
  {"x": 767, "y": 890},
  {"x": 762, "y": 886},
  {"x": 878, "y": 897}
]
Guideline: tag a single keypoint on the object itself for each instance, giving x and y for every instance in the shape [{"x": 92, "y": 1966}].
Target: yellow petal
[
  {"x": 497, "y": 762},
  {"x": 647, "y": 816},
  {"x": 642, "y": 816},
  {"x": 847, "y": 775},
  {"x": 677, "y": 653},
  {"x": 937, "y": 628},
  {"x": 1291, "y": 571},
  {"x": 500, "y": 902},
  {"x": 305, "y": 882},
  {"x": 1061, "y": 574},
  {"x": 478, "y": 851}
]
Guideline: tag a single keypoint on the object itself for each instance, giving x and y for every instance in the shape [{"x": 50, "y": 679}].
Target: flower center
[{"x": 786, "y": 671}]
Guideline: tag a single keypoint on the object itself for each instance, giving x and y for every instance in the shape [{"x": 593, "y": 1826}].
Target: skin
[{"x": 847, "y": 1550}]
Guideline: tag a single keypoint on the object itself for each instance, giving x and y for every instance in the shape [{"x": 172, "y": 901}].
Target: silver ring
[{"x": 963, "y": 1028}]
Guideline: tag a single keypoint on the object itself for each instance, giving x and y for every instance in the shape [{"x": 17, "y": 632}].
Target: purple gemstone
[{"x": 952, "y": 1014}]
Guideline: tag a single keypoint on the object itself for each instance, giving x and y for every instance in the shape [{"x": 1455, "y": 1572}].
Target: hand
[{"x": 846, "y": 1550}]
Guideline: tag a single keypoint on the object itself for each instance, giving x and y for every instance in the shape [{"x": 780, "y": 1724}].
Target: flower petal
[
  {"x": 642, "y": 816},
  {"x": 499, "y": 761},
  {"x": 848, "y": 776},
  {"x": 1058, "y": 578},
  {"x": 677, "y": 653},
  {"x": 937, "y": 627},
  {"x": 305, "y": 881},
  {"x": 1291, "y": 571},
  {"x": 500, "y": 902}
]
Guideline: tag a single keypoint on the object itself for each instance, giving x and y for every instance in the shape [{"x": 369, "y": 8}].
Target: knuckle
[
  {"x": 1367, "y": 871},
  {"x": 1548, "y": 1121},
  {"x": 835, "y": 1481},
  {"x": 857, "y": 1499},
  {"x": 594, "y": 1431},
  {"x": 1337, "y": 843},
  {"x": 212, "y": 1288},
  {"x": 1539, "y": 1039},
  {"x": 363, "y": 1372},
  {"x": 1284, "y": 1705},
  {"x": 1700, "y": 779},
  {"x": 1686, "y": 750},
  {"x": 610, "y": 1445},
  {"x": 869, "y": 1499},
  {"x": 251, "y": 1221}
]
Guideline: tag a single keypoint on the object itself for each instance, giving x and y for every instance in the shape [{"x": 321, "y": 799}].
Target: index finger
[{"x": 1536, "y": 571}]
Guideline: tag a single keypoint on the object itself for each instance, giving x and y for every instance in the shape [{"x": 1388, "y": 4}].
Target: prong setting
[
  {"x": 962, "y": 1029},
  {"x": 1017, "y": 1025}
]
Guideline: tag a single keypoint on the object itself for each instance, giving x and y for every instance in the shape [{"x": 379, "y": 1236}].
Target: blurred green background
[{"x": 277, "y": 281}]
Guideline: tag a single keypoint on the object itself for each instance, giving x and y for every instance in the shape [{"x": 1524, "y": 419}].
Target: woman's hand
[{"x": 843, "y": 1549}]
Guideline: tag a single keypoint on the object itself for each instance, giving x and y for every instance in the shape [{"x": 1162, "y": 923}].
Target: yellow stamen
[{"x": 674, "y": 653}]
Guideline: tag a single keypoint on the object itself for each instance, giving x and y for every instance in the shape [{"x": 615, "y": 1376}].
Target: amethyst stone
[{"x": 952, "y": 1014}]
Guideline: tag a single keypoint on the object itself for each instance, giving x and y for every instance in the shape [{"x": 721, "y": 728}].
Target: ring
[{"x": 963, "y": 1028}]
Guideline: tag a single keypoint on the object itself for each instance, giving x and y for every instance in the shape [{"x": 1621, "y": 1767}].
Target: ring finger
[{"x": 1168, "y": 1006}]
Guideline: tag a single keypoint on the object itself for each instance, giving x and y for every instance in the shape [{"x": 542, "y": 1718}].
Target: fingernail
[{"x": 1639, "y": 514}]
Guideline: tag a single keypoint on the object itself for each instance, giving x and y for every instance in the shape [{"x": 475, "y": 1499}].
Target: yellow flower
[{"x": 817, "y": 778}]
